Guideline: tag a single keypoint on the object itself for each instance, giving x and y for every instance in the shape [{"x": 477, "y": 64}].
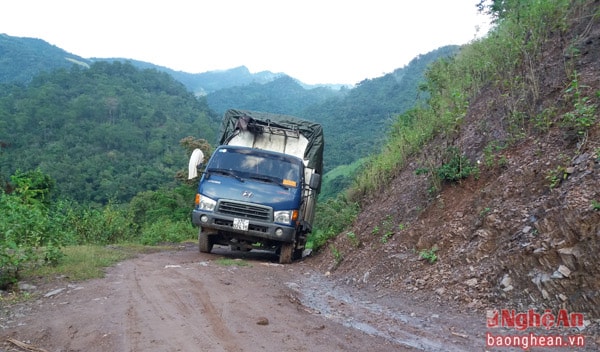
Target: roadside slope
[{"x": 526, "y": 232}]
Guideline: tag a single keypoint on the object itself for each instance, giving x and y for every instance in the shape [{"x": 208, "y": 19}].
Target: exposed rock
[
  {"x": 54, "y": 292},
  {"x": 562, "y": 297},
  {"x": 471, "y": 282},
  {"x": 262, "y": 321},
  {"x": 506, "y": 283},
  {"x": 23, "y": 286},
  {"x": 566, "y": 272}
]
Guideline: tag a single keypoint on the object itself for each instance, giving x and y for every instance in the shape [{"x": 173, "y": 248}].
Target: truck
[{"x": 259, "y": 188}]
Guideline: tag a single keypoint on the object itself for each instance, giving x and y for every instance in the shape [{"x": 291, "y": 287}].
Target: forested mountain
[
  {"x": 23, "y": 58},
  {"x": 107, "y": 132},
  {"x": 356, "y": 123},
  {"x": 210, "y": 81},
  {"x": 107, "y": 118},
  {"x": 283, "y": 95}
]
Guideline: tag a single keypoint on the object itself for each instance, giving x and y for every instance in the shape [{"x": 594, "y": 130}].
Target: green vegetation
[
  {"x": 429, "y": 255},
  {"x": 36, "y": 232},
  {"x": 388, "y": 228},
  {"x": 332, "y": 216},
  {"x": 339, "y": 179},
  {"x": 356, "y": 123},
  {"x": 457, "y": 167},
  {"x": 595, "y": 205},
  {"x": 485, "y": 211},
  {"x": 353, "y": 239},
  {"x": 583, "y": 115},
  {"x": 19, "y": 53},
  {"x": 28, "y": 228},
  {"x": 500, "y": 58},
  {"x": 491, "y": 156},
  {"x": 337, "y": 255},
  {"x": 556, "y": 176},
  {"x": 95, "y": 155},
  {"x": 82, "y": 262},
  {"x": 284, "y": 95},
  {"x": 92, "y": 157},
  {"x": 507, "y": 61},
  {"x": 103, "y": 134}
]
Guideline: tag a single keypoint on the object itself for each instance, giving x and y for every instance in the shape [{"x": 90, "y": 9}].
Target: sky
[{"x": 314, "y": 41}]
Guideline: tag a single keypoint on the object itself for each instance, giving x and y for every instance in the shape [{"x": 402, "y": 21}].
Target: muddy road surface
[{"x": 183, "y": 300}]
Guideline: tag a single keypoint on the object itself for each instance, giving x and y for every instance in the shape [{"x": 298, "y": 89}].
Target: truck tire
[
  {"x": 286, "y": 253},
  {"x": 298, "y": 253},
  {"x": 205, "y": 241}
]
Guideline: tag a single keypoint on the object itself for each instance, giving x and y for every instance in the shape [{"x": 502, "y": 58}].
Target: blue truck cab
[{"x": 259, "y": 187}]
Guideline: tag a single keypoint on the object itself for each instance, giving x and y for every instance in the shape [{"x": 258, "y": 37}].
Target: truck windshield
[{"x": 248, "y": 163}]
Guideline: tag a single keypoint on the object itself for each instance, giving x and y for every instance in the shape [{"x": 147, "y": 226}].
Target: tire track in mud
[
  {"x": 171, "y": 308},
  {"x": 174, "y": 311},
  {"x": 188, "y": 301}
]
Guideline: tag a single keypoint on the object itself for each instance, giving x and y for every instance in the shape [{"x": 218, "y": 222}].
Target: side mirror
[
  {"x": 195, "y": 162},
  {"x": 315, "y": 181}
]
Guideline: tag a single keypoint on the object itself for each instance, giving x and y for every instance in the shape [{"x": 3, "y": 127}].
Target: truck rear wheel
[
  {"x": 205, "y": 241},
  {"x": 286, "y": 253}
]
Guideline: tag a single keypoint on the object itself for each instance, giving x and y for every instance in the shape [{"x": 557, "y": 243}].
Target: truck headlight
[
  {"x": 205, "y": 203},
  {"x": 285, "y": 216}
]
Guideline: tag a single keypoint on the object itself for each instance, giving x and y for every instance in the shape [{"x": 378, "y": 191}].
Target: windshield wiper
[
  {"x": 227, "y": 173},
  {"x": 268, "y": 179}
]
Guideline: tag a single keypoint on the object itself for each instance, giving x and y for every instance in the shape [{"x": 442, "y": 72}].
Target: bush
[
  {"x": 457, "y": 167},
  {"x": 26, "y": 231},
  {"x": 332, "y": 217},
  {"x": 107, "y": 225},
  {"x": 167, "y": 230}
]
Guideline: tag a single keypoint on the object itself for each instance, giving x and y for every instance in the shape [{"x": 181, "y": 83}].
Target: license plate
[{"x": 240, "y": 224}]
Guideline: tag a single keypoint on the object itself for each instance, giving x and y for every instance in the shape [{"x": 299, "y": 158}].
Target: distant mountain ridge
[
  {"x": 22, "y": 58},
  {"x": 283, "y": 95},
  {"x": 210, "y": 81}
]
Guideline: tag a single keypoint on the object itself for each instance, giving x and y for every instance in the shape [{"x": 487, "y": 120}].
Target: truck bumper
[{"x": 256, "y": 228}]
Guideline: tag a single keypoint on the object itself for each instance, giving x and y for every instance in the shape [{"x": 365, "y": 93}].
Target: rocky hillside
[{"x": 525, "y": 232}]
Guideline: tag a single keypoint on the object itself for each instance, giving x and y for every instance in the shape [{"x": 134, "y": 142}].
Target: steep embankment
[{"x": 526, "y": 232}]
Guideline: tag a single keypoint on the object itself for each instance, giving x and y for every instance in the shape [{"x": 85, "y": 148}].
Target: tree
[{"x": 32, "y": 186}]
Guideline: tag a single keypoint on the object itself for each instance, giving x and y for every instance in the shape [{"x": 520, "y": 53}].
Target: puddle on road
[{"x": 337, "y": 303}]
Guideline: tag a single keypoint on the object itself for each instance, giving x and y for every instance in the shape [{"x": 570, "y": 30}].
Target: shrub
[
  {"x": 457, "y": 167},
  {"x": 332, "y": 217},
  {"x": 27, "y": 236},
  {"x": 167, "y": 230},
  {"x": 429, "y": 255}
]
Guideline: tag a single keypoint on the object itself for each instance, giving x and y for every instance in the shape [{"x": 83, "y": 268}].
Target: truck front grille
[{"x": 244, "y": 210}]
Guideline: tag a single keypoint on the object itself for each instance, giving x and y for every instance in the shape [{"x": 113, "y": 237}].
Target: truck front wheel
[
  {"x": 286, "y": 253},
  {"x": 205, "y": 241}
]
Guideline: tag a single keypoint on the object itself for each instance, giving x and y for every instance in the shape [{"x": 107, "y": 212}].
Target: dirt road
[{"x": 183, "y": 300}]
